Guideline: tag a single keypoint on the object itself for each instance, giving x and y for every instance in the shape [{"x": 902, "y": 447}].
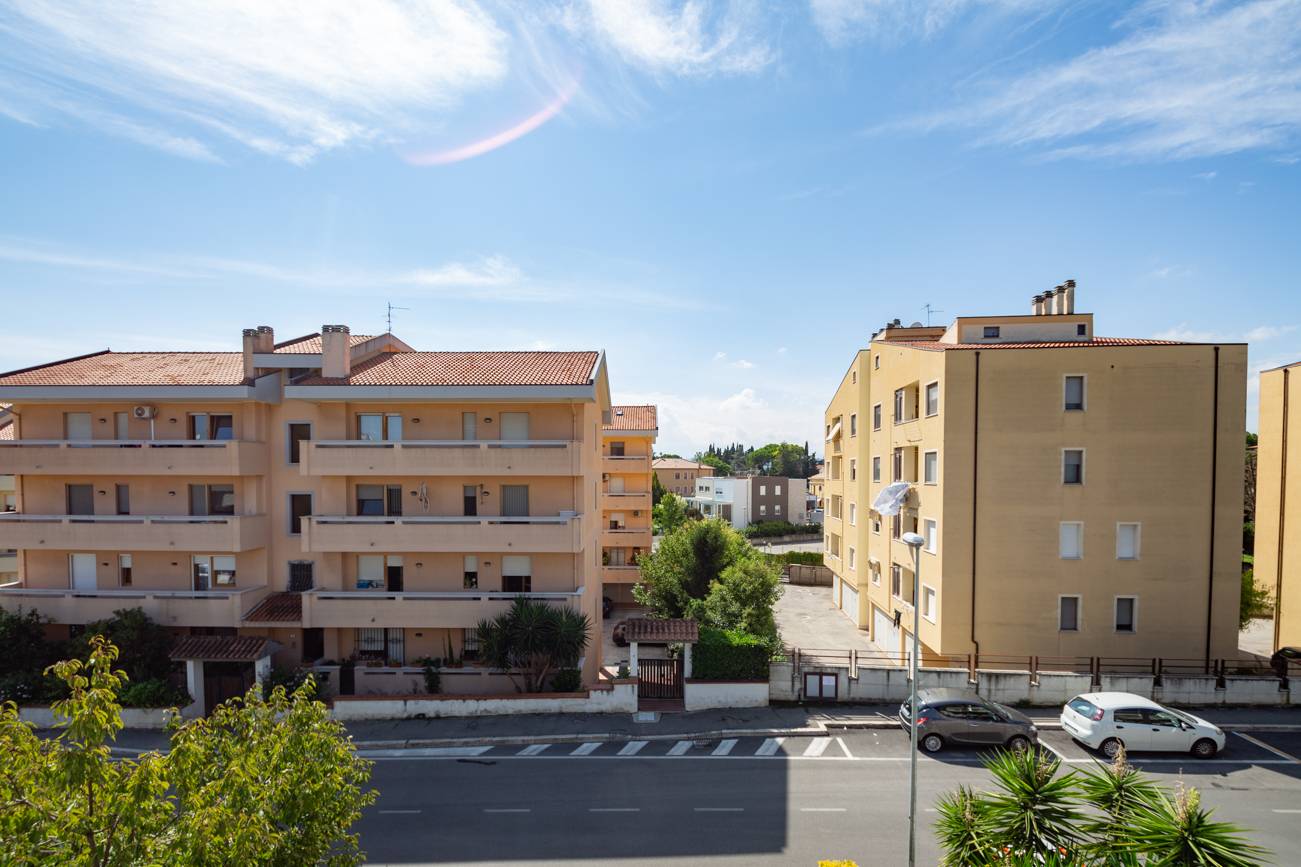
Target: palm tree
[
  {"x": 1177, "y": 832},
  {"x": 534, "y": 640},
  {"x": 1035, "y": 811},
  {"x": 1118, "y": 792}
]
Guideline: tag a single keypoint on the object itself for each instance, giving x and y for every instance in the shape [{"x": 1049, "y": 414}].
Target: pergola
[
  {"x": 195, "y": 650},
  {"x": 646, "y": 630}
]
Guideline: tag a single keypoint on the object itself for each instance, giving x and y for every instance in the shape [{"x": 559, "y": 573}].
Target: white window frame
[
  {"x": 763, "y": 509},
  {"x": 289, "y": 446},
  {"x": 936, "y": 480},
  {"x": 875, "y": 573},
  {"x": 853, "y": 514},
  {"x": 932, "y": 543},
  {"x": 1079, "y": 540},
  {"x": 1115, "y": 615},
  {"x": 926, "y": 390},
  {"x": 1084, "y": 391},
  {"x": 876, "y": 525},
  {"x": 1084, "y": 464},
  {"x": 853, "y": 424},
  {"x": 876, "y": 416},
  {"x": 876, "y": 468},
  {"x": 1079, "y": 612},
  {"x": 853, "y": 559},
  {"x": 853, "y": 469},
  {"x": 1138, "y": 539},
  {"x": 928, "y": 608}
]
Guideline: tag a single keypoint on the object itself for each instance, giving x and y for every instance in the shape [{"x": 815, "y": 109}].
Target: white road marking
[
  {"x": 719, "y": 809},
  {"x": 585, "y": 749},
  {"x": 680, "y": 747},
  {"x": 614, "y": 809},
  {"x": 769, "y": 746},
  {"x": 632, "y": 748},
  {"x": 426, "y": 753},
  {"x": 533, "y": 750},
  {"x": 1052, "y": 749},
  {"x": 507, "y": 810},
  {"x": 844, "y": 747},
  {"x": 822, "y": 809},
  {"x": 724, "y": 747},
  {"x": 1264, "y": 746},
  {"x": 817, "y": 747},
  {"x": 1285, "y": 811},
  {"x": 398, "y": 812}
]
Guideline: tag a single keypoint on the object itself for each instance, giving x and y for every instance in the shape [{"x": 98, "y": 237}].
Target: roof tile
[
  {"x": 469, "y": 368},
  {"x": 632, "y": 418},
  {"x": 1095, "y": 342},
  {"x": 277, "y": 608},
  {"x": 136, "y": 368},
  {"x": 221, "y": 648},
  {"x": 311, "y": 343},
  {"x": 661, "y": 630}
]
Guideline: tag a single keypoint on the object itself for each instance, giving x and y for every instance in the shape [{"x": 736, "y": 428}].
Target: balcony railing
[
  {"x": 168, "y": 607},
  {"x": 626, "y": 499},
  {"x": 625, "y": 463},
  {"x": 440, "y": 457},
  {"x": 208, "y": 533},
  {"x": 534, "y": 534},
  {"x": 620, "y": 574},
  {"x": 627, "y": 537},
  {"x": 415, "y": 609},
  {"x": 133, "y": 457}
]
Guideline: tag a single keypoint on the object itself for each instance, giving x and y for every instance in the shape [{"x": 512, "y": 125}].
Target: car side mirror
[{"x": 1185, "y": 726}]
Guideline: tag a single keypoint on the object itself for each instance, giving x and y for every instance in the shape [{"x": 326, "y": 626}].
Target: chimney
[
  {"x": 336, "y": 355},
  {"x": 250, "y": 347},
  {"x": 1069, "y": 289},
  {"x": 266, "y": 339},
  {"x": 1037, "y": 305}
]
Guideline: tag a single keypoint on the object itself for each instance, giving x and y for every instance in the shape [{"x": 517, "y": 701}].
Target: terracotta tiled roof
[
  {"x": 678, "y": 464},
  {"x": 277, "y": 608},
  {"x": 311, "y": 343},
  {"x": 1050, "y": 344},
  {"x": 221, "y": 648},
  {"x": 7, "y": 431},
  {"x": 135, "y": 368},
  {"x": 660, "y": 631},
  {"x": 632, "y": 418},
  {"x": 469, "y": 368}
]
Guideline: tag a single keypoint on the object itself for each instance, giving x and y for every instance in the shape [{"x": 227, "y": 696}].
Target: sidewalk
[{"x": 774, "y": 721}]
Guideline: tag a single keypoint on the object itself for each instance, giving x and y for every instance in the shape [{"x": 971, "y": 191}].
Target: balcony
[
  {"x": 625, "y": 464},
  {"x": 168, "y": 607},
  {"x": 628, "y": 537},
  {"x": 561, "y": 534},
  {"x": 414, "y": 609},
  {"x": 441, "y": 458},
  {"x": 620, "y": 574},
  {"x": 624, "y": 500},
  {"x": 133, "y": 457},
  {"x": 209, "y": 533}
]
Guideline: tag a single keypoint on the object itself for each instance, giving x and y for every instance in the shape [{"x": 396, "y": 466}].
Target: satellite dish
[{"x": 916, "y": 325}]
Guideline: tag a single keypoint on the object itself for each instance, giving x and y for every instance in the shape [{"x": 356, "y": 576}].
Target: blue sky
[{"x": 727, "y": 197}]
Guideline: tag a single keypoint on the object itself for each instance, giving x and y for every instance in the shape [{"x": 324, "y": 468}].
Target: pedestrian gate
[{"x": 660, "y": 678}]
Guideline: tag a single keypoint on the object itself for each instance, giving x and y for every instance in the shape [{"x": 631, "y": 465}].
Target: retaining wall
[
  {"x": 619, "y": 697},
  {"x": 709, "y": 694},
  {"x": 132, "y": 717}
]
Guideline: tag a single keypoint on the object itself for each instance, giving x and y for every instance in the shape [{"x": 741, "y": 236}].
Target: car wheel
[
  {"x": 1205, "y": 748},
  {"x": 1018, "y": 743},
  {"x": 1110, "y": 747},
  {"x": 932, "y": 743}
]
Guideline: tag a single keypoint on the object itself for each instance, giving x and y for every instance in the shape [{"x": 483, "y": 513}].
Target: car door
[
  {"x": 1130, "y": 725},
  {"x": 1166, "y": 733},
  {"x": 983, "y": 725},
  {"x": 949, "y": 721}
]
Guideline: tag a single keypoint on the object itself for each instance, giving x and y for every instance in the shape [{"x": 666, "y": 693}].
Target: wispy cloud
[
  {"x": 695, "y": 38},
  {"x": 842, "y": 21},
  {"x": 1184, "y": 81},
  {"x": 1205, "y": 176},
  {"x": 691, "y": 421},
  {"x": 1259, "y": 334}
]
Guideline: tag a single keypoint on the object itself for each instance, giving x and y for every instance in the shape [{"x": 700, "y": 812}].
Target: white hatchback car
[{"x": 1107, "y": 721}]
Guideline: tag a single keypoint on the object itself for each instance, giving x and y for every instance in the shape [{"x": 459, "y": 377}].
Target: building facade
[
  {"x": 679, "y": 476},
  {"x": 1277, "y": 564},
  {"x": 343, "y": 497},
  {"x": 626, "y": 533},
  {"x": 746, "y": 500},
  {"x": 1078, "y": 495}
]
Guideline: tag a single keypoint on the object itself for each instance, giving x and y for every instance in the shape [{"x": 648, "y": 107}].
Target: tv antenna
[
  {"x": 389, "y": 316},
  {"x": 929, "y": 310}
]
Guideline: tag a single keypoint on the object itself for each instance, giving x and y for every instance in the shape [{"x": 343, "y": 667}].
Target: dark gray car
[{"x": 960, "y": 717}]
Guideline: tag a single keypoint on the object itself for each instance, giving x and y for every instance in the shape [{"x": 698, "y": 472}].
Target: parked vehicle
[
  {"x": 607, "y": 607},
  {"x": 1107, "y": 721},
  {"x": 960, "y": 717},
  {"x": 619, "y": 635},
  {"x": 1283, "y": 658}
]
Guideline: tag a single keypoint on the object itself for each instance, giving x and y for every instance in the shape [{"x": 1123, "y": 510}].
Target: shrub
[
  {"x": 292, "y": 678},
  {"x": 729, "y": 654},
  {"x": 433, "y": 677},
  {"x": 567, "y": 680},
  {"x": 801, "y": 558},
  {"x": 152, "y": 693},
  {"x": 770, "y": 529}
]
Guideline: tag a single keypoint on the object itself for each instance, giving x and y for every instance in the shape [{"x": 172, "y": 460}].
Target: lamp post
[{"x": 915, "y": 542}]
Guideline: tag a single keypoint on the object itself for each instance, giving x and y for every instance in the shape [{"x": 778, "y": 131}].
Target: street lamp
[{"x": 915, "y": 542}]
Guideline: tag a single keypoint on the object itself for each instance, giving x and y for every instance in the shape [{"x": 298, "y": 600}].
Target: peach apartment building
[
  {"x": 331, "y": 497},
  {"x": 1277, "y": 565},
  {"x": 1079, "y": 495},
  {"x": 629, "y": 442},
  {"x": 678, "y": 476}
]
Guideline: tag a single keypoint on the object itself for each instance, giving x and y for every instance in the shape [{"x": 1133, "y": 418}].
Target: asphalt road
[{"x": 744, "y": 801}]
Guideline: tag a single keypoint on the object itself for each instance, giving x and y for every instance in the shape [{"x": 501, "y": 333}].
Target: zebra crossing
[{"x": 725, "y": 748}]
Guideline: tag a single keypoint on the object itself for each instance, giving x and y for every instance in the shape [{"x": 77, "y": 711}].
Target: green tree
[
  {"x": 143, "y": 644},
  {"x": 657, "y": 489},
  {"x": 268, "y": 781},
  {"x": 534, "y": 639},
  {"x": 721, "y": 467},
  {"x": 678, "y": 574},
  {"x": 669, "y": 514},
  {"x": 26, "y": 655},
  {"x": 743, "y": 598}
]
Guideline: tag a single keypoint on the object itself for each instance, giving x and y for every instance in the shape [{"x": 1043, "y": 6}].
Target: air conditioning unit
[
  {"x": 636, "y": 513},
  {"x": 143, "y": 411},
  {"x": 605, "y": 477}
]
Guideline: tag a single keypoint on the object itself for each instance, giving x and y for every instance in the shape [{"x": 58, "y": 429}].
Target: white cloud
[
  {"x": 1268, "y": 332},
  {"x": 492, "y": 271},
  {"x": 742, "y": 364},
  {"x": 691, "y": 39},
  {"x": 842, "y": 21},
  {"x": 1260, "y": 333},
  {"x": 690, "y": 422},
  {"x": 1185, "y": 81},
  {"x": 291, "y": 80},
  {"x": 1205, "y": 176}
]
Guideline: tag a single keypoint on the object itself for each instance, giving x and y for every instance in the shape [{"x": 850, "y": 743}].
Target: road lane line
[
  {"x": 585, "y": 749},
  {"x": 1285, "y": 811},
  {"x": 507, "y": 810},
  {"x": 719, "y": 809},
  {"x": 397, "y": 812},
  {"x": 1052, "y": 749},
  {"x": 844, "y": 747},
  {"x": 724, "y": 747},
  {"x": 632, "y": 748},
  {"x": 816, "y": 747},
  {"x": 426, "y": 753},
  {"x": 1264, "y": 746},
  {"x": 769, "y": 746},
  {"x": 533, "y": 750},
  {"x": 822, "y": 809},
  {"x": 680, "y": 747},
  {"x": 614, "y": 809}
]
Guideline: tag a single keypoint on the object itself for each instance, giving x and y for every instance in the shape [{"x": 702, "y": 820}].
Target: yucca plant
[
  {"x": 1177, "y": 832},
  {"x": 1118, "y": 791},
  {"x": 963, "y": 829},
  {"x": 1034, "y": 810},
  {"x": 535, "y": 640}
]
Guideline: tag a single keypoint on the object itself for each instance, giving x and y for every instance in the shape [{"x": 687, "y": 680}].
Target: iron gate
[{"x": 660, "y": 678}]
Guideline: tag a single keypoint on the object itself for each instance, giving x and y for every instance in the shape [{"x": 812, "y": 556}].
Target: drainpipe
[
  {"x": 1215, "y": 440},
  {"x": 1282, "y": 518},
  {"x": 975, "y": 469}
]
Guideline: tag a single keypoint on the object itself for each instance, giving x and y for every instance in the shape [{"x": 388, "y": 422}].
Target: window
[
  {"x": 1131, "y": 715},
  {"x": 80, "y": 499},
  {"x": 876, "y": 417},
  {"x": 763, "y": 509},
  {"x": 876, "y": 469},
  {"x": 124, "y": 570},
  {"x": 76, "y": 426},
  {"x": 1072, "y": 466},
  {"x": 763, "y": 490},
  {"x": 931, "y": 533},
  {"x": 121, "y": 425},
  {"x": 379, "y": 427},
  {"x": 928, "y": 603},
  {"x": 876, "y": 525},
  {"x": 301, "y": 576},
  {"x": 123, "y": 497},
  {"x": 896, "y": 469},
  {"x": 376, "y": 500},
  {"x": 1082, "y": 330},
  {"x": 212, "y": 499},
  {"x": 617, "y": 449},
  {"x": 853, "y": 424},
  {"x": 896, "y": 527},
  {"x": 777, "y": 490},
  {"x": 1127, "y": 536},
  {"x": 211, "y": 426},
  {"x": 376, "y": 643},
  {"x": 898, "y": 405},
  {"x": 852, "y": 557},
  {"x": 1070, "y": 544},
  {"x": 379, "y": 572},
  {"x": 854, "y": 377},
  {"x": 991, "y": 332},
  {"x": 875, "y": 570},
  {"x": 300, "y": 506},
  {"x": 933, "y": 398},
  {"x": 298, "y": 432},
  {"x": 853, "y": 469},
  {"x": 853, "y": 514},
  {"x": 1073, "y": 393},
  {"x": 931, "y": 468},
  {"x": 212, "y": 570},
  {"x": 1126, "y": 613},
  {"x": 1068, "y": 613},
  {"x": 896, "y": 580},
  {"x": 470, "y": 643},
  {"x": 469, "y": 426},
  {"x": 515, "y": 501},
  {"x": 876, "y": 362},
  {"x": 777, "y": 509},
  {"x": 517, "y": 574}
]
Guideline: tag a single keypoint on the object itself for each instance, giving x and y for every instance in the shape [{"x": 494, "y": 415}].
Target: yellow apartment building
[
  {"x": 333, "y": 497},
  {"x": 678, "y": 476},
  {"x": 1277, "y": 564},
  {"x": 1079, "y": 495},
  {"x": 628, "y": 443}
]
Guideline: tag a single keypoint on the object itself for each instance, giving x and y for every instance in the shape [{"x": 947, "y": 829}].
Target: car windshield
[
  {"x": 1000, "y": 710},
  {"x": 1082, "y": 706},
  {"x": 1178, "y": 714}
]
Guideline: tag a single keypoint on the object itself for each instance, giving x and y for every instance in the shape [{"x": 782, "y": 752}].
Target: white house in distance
[{"x": 746, "y": 500}]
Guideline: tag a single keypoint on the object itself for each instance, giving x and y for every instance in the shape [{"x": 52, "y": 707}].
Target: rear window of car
[{"x": 1083, "y": 707}]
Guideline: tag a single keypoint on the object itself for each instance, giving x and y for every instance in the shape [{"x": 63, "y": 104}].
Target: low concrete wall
[
  {"x": 1189, "y": 689},
  {"x": 810, "y": 576},
  {"x": 1004, "y": 687},
  {"x": 709, "y": 694},
  {"x": 152, "y": 718},
  {"x": 619, "y": 697},
  {"x": 781, "y": 685},
  {"x": 1254, "y": 691},
  {"x": 1056, "y": 688},
  {"x": 1139, "y": 684},
  {"x": 953, "y": 678},
  {"x": 878, "y": 684}
]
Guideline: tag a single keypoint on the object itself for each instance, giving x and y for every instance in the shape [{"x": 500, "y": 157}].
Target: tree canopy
[
  {"x": 669, "y": 514},
  {"x": 787, "y": 460},
  {"x": 536, "y": 640}
]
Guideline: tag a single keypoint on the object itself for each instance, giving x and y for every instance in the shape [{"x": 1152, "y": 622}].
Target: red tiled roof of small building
[
  {"x": 1049, "y": 344},
  {"x": 220, "y": 648},
  {"x": 135, "y": 368},
  {"x": 311, "y": 343},
  {"x": 651, "y": 630},
  {"x": 632, "y": 418},
  {"x": 277, "y": 608},
  {"x": 469, "y": 368}
]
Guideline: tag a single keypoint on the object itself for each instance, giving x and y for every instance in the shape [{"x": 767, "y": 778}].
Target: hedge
[
  {"x": 803, "y": 558},
  {"x": 729, "y": 654},
  {"x": 767, "y": 529}
]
